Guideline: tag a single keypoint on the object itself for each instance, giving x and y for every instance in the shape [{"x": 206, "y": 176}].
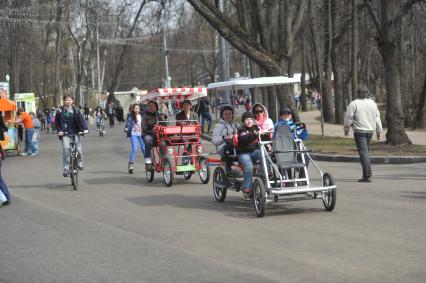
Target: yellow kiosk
[{"x": 10, "y": 142}]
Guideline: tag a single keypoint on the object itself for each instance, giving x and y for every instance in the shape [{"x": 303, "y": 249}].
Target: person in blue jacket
[
  {"x": 298, "y": 130},
  {"x": 133, "y": 130}
]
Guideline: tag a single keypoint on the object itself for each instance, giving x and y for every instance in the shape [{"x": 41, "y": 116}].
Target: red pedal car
[{"x": 178, "y": 149}]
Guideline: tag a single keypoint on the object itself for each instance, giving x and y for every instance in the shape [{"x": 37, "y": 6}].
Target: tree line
[{"x": 52, "y": 47}]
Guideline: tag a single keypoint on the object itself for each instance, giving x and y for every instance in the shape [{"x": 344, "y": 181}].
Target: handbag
[{"x": 2, "y": 198}]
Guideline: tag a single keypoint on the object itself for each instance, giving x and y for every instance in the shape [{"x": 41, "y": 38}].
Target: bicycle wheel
[
  {"x": 220, "y": 183},
  {"x": 167, "y": 173},
  {"x": 204, "y": 172},
  {"x": 74, "y": 172},
  {"x": 259, "y": 198},
  {"x": 185, "y": 161},
  {"x": 329, "y": 199}
]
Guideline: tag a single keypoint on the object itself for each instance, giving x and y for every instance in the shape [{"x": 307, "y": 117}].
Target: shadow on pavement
[
  {"x": 415, "y": 195},
  {"x": 65, "y": 186},
  {"x": 231, "y": 207},
  {"x": 120, "y": 180},
  {"x": 109, "y": 172},
  {"x": 135, "y": 179},
  {"x": 413, "y": 176}
]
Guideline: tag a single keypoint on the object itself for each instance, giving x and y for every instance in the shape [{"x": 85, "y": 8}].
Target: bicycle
[
  {"x": 100, "y": 126},
  {"x": 74, "y": 157}
]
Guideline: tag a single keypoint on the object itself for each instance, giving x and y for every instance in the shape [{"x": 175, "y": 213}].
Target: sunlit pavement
[{"x": 118, "y": 228}]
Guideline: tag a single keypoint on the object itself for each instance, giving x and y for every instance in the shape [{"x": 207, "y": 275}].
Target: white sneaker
[{"x": 148, "y": 161}]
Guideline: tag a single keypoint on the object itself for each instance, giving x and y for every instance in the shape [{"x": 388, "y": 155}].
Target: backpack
[
  {"x": 36, "y": 123},
  {"x": 203, "y": 107}
]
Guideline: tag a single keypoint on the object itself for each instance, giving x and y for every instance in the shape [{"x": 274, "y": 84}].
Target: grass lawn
[{"x": 347, "y": 146}]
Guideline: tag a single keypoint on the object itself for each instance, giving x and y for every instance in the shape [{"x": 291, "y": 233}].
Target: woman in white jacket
[{"x": 223, "y": 132}]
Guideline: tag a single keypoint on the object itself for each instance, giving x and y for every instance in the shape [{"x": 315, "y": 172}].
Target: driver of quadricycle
[
  {"x": 186, "y": 116},
  {"x": 223, "y": 134},
  {"x": 249, "y": 151},
  {"x": 149, "y": 120}
]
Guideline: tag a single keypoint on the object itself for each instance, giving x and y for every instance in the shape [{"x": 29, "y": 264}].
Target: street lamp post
[{"x": 11, "y": 97}]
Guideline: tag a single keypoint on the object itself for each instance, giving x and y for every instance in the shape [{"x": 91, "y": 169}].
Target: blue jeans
[
  {"x": 29, "y": 144},
  {"x": 148, "y": 141},
  {"x": 206, "y": 116},
  {"x": 3, "y": 186},
  {"x": 100, "y": 123},
  {"x": 135, "y": 140},
  {"x": 247, "y": 159},
  {"x": 66, "y": 144},
  {"x": 362, "y": 141},
  {"x": 35, "y": 139}
]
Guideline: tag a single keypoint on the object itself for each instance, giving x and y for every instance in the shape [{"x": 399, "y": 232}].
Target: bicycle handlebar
[{"x": 70, "y": 135}]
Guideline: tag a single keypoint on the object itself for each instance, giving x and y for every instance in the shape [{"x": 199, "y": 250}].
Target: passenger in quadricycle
[
  {"x": 149, "y": 120},
  {"x": 249, "y": 151},
  {"x": 223, "y": 134}
]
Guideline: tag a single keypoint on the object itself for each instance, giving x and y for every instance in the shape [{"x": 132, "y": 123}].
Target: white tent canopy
[{"x": 252, "y": 83}]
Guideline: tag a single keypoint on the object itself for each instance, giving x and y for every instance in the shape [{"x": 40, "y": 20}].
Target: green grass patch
[{"x": 346, "y": 146}]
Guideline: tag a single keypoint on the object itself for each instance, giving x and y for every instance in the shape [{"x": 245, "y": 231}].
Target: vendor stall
[{"x": 10, "y": 143}]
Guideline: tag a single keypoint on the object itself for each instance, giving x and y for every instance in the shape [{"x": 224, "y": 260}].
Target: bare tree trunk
[
  {"x": 387, "y": 45},
  {"x": 45, "y": 61},
  {"x": 315, "y": 46},
  {"x": 354, "y": 49},
  {"x": 78, "y": 75},
  {"x": 396, "y": 133},
  {"x": 57, "y": 95},
  {"x": 420, "y": 120},
  {"x": 326, "y": 99},
  {"x": 336, "y": 67},
  {"x": 120, "y": 64},
  {"x": 303, "y": 98}
]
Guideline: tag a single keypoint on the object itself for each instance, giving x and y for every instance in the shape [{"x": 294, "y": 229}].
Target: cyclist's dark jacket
[
  {"x": 71, "y": 122},
  {"x": 247, "y": 140}
]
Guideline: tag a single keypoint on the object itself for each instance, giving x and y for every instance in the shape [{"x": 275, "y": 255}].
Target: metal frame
[{"x": 286, "y": 191}]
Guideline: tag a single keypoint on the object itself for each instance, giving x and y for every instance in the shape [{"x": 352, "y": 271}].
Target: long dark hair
[{"x": 133, "y": 112}]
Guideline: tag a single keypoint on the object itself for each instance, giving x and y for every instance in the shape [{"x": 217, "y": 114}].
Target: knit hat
[
  {"x": 247, "y": 115},
  {"x": 285, "y": 111}
]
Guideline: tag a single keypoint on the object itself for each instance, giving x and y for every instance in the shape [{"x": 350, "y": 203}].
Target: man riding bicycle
[
  {"x": 99, "y": 115},
  {"x": 70, "y": 122}
]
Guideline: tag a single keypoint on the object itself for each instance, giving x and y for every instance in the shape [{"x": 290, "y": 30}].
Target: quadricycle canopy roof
[{"x": 176, "y": 93}]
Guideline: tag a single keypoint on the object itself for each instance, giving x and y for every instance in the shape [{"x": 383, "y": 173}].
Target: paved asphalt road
[{"x": 117, "y": 228}]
